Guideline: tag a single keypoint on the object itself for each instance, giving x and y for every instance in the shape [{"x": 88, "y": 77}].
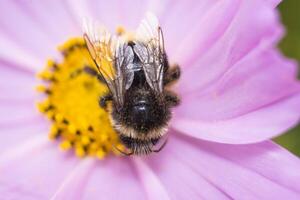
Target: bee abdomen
[
  {"x": 141, "y": 117},
  {"x": 139, "y": 146}
]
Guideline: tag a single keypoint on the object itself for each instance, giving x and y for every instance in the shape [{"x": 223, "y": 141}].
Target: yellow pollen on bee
[
  {"x": 72, "y": 104},
  {"x": 127, "y": 35},
  {"x": 120, "y": 30}
]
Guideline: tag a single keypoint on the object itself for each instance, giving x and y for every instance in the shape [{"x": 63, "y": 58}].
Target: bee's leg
[
  {"x": 161, "y": 147},
  {"x": 172, "y": 75},
  {"x": 104, "y": 99},
  {"x": 171, "y": 99},
  {"x": 88, "y": 70},
  {"x": 91, "y": 71},
  {"x": 122, "y": 152}
]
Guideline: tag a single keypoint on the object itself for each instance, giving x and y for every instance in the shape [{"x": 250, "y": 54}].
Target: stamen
[
  {"x": 127, "y": 35},
  {"x": 71, "y": 103}
]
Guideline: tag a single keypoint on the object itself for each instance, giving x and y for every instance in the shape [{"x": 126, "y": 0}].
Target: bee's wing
[
  {"x": 150, "y": 51},
  {"x": 113, "y": 58}
]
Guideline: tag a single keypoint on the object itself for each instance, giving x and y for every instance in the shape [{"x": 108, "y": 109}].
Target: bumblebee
[{"x": 137, "y": 74}]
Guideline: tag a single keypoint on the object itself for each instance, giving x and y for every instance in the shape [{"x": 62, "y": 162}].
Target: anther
[
  {"x": 65, "y": 121},
  {"x": 90, "y": 128},
  {"x": 78, "y": 132}
]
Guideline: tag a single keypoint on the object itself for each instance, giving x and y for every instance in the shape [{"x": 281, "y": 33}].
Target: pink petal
[
  {"x": 114, "y": 178},
  {"x": 34, "y": 172},
  {"x": 235, "y": 108},
  {"x": 117, "y": 13},
  {"x": 17, "y": 97},
  {"x": 18, "y": 150},
  {"x": 16, "y": 83},
  {"x": 153, "y": 187},
  {"x": 193, "y": 169},
  {"x": 74, "y": 184},
  {"x": 273, "y": 3},
  {"x": 17, "y": 133},
  {"x": 13, "y": 115},
  {"x": 107, "y": 14},
  {"x": 262, "y": 158},
  {"x": 235, "y": 79},
  {"x": 77, "y": 11},
  {"x": 184, "y": 18},
  {"x": 54, "y": 17},
  {"x": 130, "y": 13},
  {"x": 258, "y": 81},
  {"x": 232, "y": 45},
  {"x": 13, "y": 53},
  {"x": 22, "y": 29},
  {"x": 202, "y": 30},
  {"x": 33, "y": 29},
  {"x": 258, "y": 125}
]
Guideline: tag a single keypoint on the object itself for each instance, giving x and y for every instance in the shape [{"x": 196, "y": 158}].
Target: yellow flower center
[{"x": 72, "y": 103}]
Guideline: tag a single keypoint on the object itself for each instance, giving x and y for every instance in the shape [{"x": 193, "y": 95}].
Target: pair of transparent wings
[{"x": 114, "y": 57}]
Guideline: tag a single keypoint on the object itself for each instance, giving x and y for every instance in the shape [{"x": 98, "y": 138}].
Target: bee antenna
[{"x": 122, "y": 152}]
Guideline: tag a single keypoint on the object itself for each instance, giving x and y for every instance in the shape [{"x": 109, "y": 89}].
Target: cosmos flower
[{"x": 237, "y": 92}]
